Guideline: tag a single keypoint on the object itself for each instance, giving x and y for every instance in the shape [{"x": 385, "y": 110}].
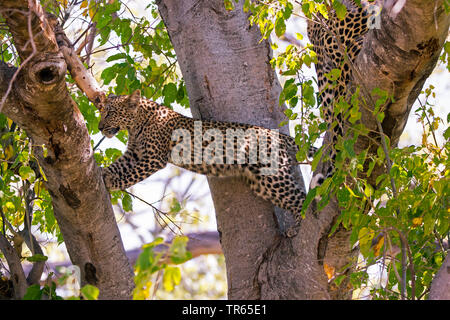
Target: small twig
[
  {"x": 90, "y": 44},
  {"x": 33, "y": 45},
  {"x": 428, "y": 120},
  {"x": 17, "y": 273},
  {"x": 157, "y": 211},
  {"x": 98, "y": 143},
  {"x": 2, "y": 214},
  {"x": 82, "y": 34},
  {"x": 406, "y": 255}
]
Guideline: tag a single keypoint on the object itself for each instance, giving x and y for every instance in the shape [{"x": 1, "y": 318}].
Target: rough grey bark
[
  {"x": 399, "y": 57},
  {"x": 39, "y": 103},
  {"x": 228, "y": 77},
  {"x": 440, "y": 288},
  {"x": 18, "y": 278}
]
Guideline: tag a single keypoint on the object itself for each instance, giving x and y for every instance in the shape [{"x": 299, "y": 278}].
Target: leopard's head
[{"x": 119, "y": 113}]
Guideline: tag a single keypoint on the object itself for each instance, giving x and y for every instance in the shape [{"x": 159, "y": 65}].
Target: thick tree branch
[
  {"x": 440, "y": 287},
  {"x": 399, "y": 57},
  {"x": 200, "y": 243},
  {"x": 283, "y": 268},
  {"x": 396, "y": 58},
  {"x": 17, "y": 275},
  {"x": 83, "y": 78},
  {"x": 41, "y": 105},
  {"x": 233, "y": 81}
]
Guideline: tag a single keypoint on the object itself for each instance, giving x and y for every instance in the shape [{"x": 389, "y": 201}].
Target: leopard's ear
[{"x": 135, "y": 97}]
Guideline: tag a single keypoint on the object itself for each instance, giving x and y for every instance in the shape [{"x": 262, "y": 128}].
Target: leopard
[
  {"x": 151, "y": 127},
  {"x": 337, "y": 44},
  {"x": 157, "y": 135}
]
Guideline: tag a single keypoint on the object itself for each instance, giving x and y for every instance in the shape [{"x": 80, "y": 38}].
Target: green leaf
[
  {"x": 170, "y": 93},
  {"x": 368, "y": 190},
  {"x": 428, "y": 223},
  {"x": 104, "y": 35},
  {"x": 348, "y": 145},
  {"x": 177, "y": 250},
  {"x": 175, "y": 206},
  {"x": 339, "y": 279},
  {"x": 117, "y": 57},
  {"x": 89, "y": 292},
  {"x": 121, "y": 82},
  {"x": 340, "y": 8},
  {"x": 103, "y": 21},
  {"x": 113, "y": 154},
  {"x": 309, "y": 197},
  {"x": 289, "y": 91},
  {"x": 280, "y": 26},
  {"x": 343, "y": 195},
  {"x": 180, "y": 93},
  {"x": 148, "y": 260},
  {"x": 143, "y": 261},
  {"x": 306, "y": 9},
  {"x": 108, "y": 75},
  {"x": 333, "y": 75},
  {"x": 156, "y": 242},
  {"x": 365, "y": 236},
  {"x": 228, "y": 5},
  {"x": 125, "y": 31},
  {"x": 447, "y": 133},
  {"x": 26, "y": 173},
  {"x": 34, "y": 292},
  {"x": 317, "y": 158},
  {"x": 10, "y": 206},
  {"x": 171, "y": 278},
  {"x": 323, "y": 10},
  {"x": 37, "y": 257},
  {"x": 127, "y": 203},
  {"x": 371, "y": 167}
]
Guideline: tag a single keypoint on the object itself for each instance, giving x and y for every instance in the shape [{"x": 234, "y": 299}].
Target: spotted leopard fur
[
  {"x": 152, "y": 144},
  {"x": 150, "y": 126},
  {"x": 337, "y": 44}
]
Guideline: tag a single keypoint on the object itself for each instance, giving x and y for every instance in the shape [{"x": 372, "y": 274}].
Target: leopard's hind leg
[{"x": 281, "y": 189}]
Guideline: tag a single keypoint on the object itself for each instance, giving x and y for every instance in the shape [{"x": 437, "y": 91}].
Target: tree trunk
[
  {"x": 228, "y": 77},
  {"x": 440, "y": 287},
  {"x": 39, "y": 103}
]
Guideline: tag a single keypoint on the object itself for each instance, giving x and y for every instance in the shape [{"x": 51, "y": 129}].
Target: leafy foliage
[
  {"x": 153, "y": 261},
  {"x": 400, "y": 218},
  {"x": 139, "y": 55}
]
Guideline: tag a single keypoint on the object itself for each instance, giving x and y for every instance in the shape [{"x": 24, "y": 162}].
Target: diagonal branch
[
  {"x": 15, "y": 267},
  {"x": 396, "y": 58},
  {"x": 83, "y": 78},
  {"x": 41, "y": 105}
]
